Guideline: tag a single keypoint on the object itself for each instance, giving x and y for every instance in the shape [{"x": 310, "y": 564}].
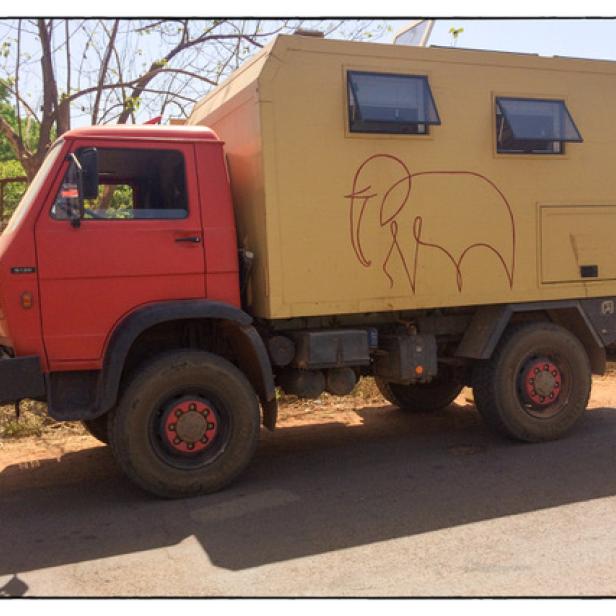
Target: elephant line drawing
[{"x": 395, "y": 197}]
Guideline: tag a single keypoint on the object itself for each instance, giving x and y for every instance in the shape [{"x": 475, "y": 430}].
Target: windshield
[{"x": 35, "y": 186}]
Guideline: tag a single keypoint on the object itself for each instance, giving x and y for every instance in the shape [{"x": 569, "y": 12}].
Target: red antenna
[{"x": 156, "y": 120}]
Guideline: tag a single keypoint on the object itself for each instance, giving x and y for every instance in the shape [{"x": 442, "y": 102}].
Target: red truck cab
[
  {"x": 93, "y": 287},
  {"x": 66, "y": 287}
]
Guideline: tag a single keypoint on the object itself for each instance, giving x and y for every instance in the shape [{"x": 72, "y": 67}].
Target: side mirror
[
  {"x": 88, "y": 158},
  {"x": 71, "y": 193}
]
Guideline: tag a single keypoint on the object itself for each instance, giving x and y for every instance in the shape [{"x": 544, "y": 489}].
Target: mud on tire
[{"x": 187, "y": 423}]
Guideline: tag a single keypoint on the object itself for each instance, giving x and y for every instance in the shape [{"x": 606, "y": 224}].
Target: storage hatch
[{"x": 577, "y": 243}]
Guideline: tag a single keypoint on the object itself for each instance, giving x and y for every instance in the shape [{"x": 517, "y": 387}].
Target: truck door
[{"x": 141, "y": 241}]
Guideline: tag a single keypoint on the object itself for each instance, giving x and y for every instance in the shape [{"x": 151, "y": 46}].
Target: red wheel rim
[
  {"x": 189, "y": 426},
  {"x": 542, "y": 382},
  {"x": 542, "y": 387}
]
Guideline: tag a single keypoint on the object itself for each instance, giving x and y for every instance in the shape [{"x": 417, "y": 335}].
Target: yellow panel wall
[{"x": 449, "y": 221}]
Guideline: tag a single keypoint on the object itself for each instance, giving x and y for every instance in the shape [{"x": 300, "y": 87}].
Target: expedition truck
[{"x": 431, "y": 217}]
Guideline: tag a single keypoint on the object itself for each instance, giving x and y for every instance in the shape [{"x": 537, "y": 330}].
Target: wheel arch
[
  {"x": 249, "y": 349},
  {"x": 490, "y": 322}
]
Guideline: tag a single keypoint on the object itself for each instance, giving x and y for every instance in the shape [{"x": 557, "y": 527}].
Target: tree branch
[
  {"x": 157, "y": 66},
  {"x": 103, "y": 72},
  {"x": 23, "y": 101},
  {"x": 17, "y": 97},
  {"x": 50, "y": 92},
  {"x": 13, "y": 138}
]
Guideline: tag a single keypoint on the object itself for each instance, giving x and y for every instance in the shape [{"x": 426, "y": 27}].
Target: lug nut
[
  {"x": 210, "y": 426},
  {"x": 193, "y": 407},
  {"x": 177, "y": 441},
  {"x": 172, "y": 427},
  {"x": 178, "y": 413}
]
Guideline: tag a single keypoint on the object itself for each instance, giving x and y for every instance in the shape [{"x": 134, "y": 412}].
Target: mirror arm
[{"x": 76, "y": 222}]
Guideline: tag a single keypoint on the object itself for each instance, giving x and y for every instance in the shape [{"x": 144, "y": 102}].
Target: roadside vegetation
[{"x": 34, "y": 421}]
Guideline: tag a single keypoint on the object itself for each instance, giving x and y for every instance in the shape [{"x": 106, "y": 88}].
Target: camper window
[
  {"x": 390, "y": 103},
  {"x": 533, "y": 126}
]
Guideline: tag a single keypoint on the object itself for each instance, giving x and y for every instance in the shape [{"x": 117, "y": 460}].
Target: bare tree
[{"x": 60, "y": 72}]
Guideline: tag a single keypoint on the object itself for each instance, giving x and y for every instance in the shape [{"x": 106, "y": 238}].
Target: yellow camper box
[{"x": 371, "y": 177}]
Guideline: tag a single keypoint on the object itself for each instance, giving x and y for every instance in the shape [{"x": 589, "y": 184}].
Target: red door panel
[{"x": 93, "y": 275}]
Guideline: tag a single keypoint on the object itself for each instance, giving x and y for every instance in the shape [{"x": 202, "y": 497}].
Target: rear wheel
[
  {"x": 97, "y": 427},
  {"x": 537, "y": 384},
  {"x": 188, "y": 423},
  {"x": 422, "y": 397}
]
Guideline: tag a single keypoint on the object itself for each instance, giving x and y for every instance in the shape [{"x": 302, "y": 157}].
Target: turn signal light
[
  {"x": 26, "y": 300},
  {"x": 419, "y": 370}
]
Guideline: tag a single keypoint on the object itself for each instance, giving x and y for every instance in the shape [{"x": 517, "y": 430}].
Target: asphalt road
[{"x": 396, "y": 506}]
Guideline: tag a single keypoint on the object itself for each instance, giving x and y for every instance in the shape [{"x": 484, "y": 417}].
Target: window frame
[
  {"x": 382, "y": 129},
  {"x": 498, "y": 110},
  {"x": 105, "y": 146}
]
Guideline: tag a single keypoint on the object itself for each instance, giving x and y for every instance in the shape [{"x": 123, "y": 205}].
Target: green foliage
[
  {"x": 455, "y": 33},
  {"x": 32, "y": 422},
  {"x": 30, "y": 130},
  {"x": 14, "y": 191},
  {"x": 132, "y": 103},
  {"x": 9, "y": 166},
  {"x": 114, "y": 201}
]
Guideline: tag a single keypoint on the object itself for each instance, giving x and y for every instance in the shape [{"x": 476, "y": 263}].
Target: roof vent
[{"x": 306, "y": 32}]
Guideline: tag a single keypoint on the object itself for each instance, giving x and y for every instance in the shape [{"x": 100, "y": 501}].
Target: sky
[{"x": 583, "y": 38}]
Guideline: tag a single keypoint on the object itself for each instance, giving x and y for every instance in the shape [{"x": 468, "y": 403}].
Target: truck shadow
[{"x": 310, "y": 490}]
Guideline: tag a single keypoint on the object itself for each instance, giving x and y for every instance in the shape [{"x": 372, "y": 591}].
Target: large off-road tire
[
  {"x": 187, "y": 423},
  {"x": 536, "y": 385},
  {"x": 97, "y": 427},
  {"x": 421, "y": 397}
]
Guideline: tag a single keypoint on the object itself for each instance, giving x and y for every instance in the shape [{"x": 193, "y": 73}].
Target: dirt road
[{"x": 344, "y": 499}]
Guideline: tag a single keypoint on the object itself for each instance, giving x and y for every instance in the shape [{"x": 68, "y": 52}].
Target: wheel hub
[
  {"x": 189, "y": 426},
  {"x": 542, "y": 382}
]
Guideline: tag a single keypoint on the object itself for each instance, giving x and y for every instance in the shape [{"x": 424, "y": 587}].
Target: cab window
[{"x": 134, "y": 184}]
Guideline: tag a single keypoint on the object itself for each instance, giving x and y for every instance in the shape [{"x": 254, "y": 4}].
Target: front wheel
[
  {"x": 537, "y": 384},
  {"x": 188, "y": 423}
]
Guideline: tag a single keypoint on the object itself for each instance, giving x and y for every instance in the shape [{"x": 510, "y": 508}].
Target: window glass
[
  {"x": 533, "y": 126},
  {"x": 390, "y": 103},
  {"x": 114, "y": 201},
  {"x": 134, "y": 184}
]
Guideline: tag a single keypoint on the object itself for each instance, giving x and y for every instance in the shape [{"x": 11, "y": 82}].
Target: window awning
[
  {"x": 538, "y": 120},
  {"x": 392, "y": 98}
]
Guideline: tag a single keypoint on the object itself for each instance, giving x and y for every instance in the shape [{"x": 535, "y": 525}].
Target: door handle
[{"x": 193, "y": 239}]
